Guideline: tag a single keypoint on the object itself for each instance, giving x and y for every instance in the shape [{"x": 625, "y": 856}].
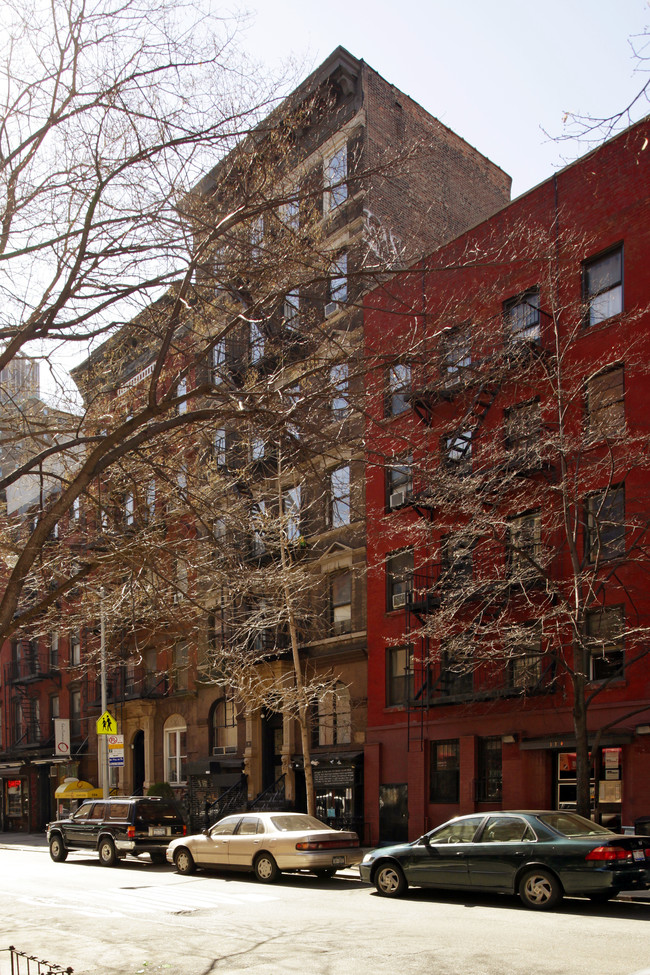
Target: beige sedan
[{"x": 267, "y": 844}]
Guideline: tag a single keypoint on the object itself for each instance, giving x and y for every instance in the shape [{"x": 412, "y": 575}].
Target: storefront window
[{"x": 605, "y": 784}]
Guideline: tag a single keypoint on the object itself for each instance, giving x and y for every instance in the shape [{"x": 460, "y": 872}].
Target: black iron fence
[{"x": 20, "y": 963}]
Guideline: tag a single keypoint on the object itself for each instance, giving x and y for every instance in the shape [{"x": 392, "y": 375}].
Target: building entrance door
[
  {"x": 393, "y": 813},
  {"x": 138, "y": 763}
]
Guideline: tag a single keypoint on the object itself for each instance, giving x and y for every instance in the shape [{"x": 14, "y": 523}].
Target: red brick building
[{"x": 508, "y": 503}]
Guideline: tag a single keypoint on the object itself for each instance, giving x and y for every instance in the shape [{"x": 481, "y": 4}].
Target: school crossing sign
[{"x": 106, "y": 724}]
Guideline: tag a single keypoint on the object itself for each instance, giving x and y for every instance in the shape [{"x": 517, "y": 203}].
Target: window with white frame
[
  {"x": 258, "y": 447},
  {"x": 290, "y": 213},
  {"x": 340, "y": 391},
  {"x": 54, "y": 649},
  {"x": 338, "y": 284},
  {"x": 75, "y": 648},
  {"x": 224, "y": 724},
  {"x": 291, "y": 309},
  {"x": 75, "y": 713},
  {"x": 181, "y": 392},
  {"x": 336, "y": 174},
  {"x": 399, "y": 482},
  {"x": 399, "y": 676},
  {"x": 603, "y": 286},
  {"x": 398, "y": 389},
  {"x": 522, "y": 317},
  {"x": 399, "y": 578},
  {"x": 175, "y": 749},
  {"x": 340, "y": 497},
  {"x": 291, "y": 508},
  {"x": 76, "y": 509},
  {"x": 256, "y": 343},
  {"x": 219, "y": 361}
]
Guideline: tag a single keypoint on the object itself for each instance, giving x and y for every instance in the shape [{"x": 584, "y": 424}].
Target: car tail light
[
  {"x": 130, "y": 832},
  {"x": 326, "y": 844},
  {"x": 184, "y": 830},
  {"x": 610, "y": 853}
]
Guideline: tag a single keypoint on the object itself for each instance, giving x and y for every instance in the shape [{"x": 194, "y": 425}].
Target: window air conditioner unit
[
  {"x": 218, "y": 750},
  {"x": 397, "y": 499},
  {"x": 330, "y": 308},
  {"x": 399, "y": 600},
  {"x": 230, "y": 750}
]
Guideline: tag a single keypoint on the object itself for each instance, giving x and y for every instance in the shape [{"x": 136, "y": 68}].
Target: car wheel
[
  {"x": 389, "y": 880},
  {"x": 184, "y": 861},
  {"x": 58, "y": 851},
  {"x": 265, "y": 868},
  {"x": 540, "y": 890},
  {"x": 326, "y": 873},
  {"x": 158, "y": 858},
  {"x": 107, "y": 854}
]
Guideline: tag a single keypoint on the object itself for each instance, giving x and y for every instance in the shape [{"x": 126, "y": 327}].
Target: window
[
  {"x": 444, "y": 783},
  {"x": 220, "y": 447},
  {"x": 258, "y": 447},
  {"x": 399, "y": 676},
  {"x": 291, "y": 505},
  {"x": 257, "y": 236},
  {"x": 338, "y": 284},
  {"x": 224, "y": 724},
  {"x": 456, "y": 672},
  {"x": 522, "y": 317},
  {"x": 398, "y": 389},
  {"x": 180, "y": 666},
  {"x": 606, "y": 403},
  {"x": 489, "y": 770},
  {"x": 605, "y": 630},
  {"x": 291, "y": 309},
  {"x": 219, "y": 361},
  {"x": 54, "y": 708},
  {"x": 181, "y": 482},
  {"x": 603, "y": 286},
  {"x": 76, "y": 509},
  {"x": 75, "y": 649},
  {"x": 335, "y": 717},
  {"x": 458, "y": 452},
  {"x": 181, "y": 581},
  {"x": 399, "y": 482},
  {"x": 129, "y": 509},
  {"x": 258, "y": 519},
  {"x": 54, "y": 649},
  {"x": 399, "y": 573},
  {"x": 525, "y": 660},
  {"x": 523, "y": 427},
  {"x": 524, "y": 544},
  {"x": 606, "y": 524},
  {"x": 336, "y": 174},
  {"x": 340, "y": 497},
  {"x": 339, "y": 384},
  {"x": 341, "y": 603},
  {"x": 457, "y": 558},
  {"x": 290, "y": 214},
  {"x": 256, "y": 343},
  {"x": 456, "y": 354},
  {"x": 151, "y": 500},
  {"x": 175, "y": 746},
  {"x": 75, "y": 714},
  {"x": 181, "y": 391}
]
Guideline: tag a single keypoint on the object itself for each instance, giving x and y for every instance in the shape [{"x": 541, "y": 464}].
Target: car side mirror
[
  {"x": 206, "y": 831},
  {"x": 426, "y": 839}
]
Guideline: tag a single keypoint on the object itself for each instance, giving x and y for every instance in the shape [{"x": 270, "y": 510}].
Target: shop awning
[{"x": 77, "y": 789}]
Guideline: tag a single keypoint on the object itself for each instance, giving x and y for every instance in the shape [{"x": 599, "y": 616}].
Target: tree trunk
[{"x": 583, "y": 760}]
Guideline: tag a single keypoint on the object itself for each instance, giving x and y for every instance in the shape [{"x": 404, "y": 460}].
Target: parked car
[
  {"x": 267, "y": 844},
  {"x": 117, "y": 826},
  {"x": 539, "y": 855}
]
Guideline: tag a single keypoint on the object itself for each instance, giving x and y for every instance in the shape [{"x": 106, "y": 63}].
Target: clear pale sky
[{"x": 496, "y": 73}]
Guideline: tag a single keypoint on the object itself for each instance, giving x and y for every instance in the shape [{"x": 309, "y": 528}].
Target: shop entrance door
[{"x": 393, "y": 813}]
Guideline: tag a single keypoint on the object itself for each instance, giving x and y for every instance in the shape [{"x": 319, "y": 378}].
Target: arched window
[
  {"x": 223, "y": 725},
  {"x": 335, "y": 717},
  {"x": 175, "y": 743}
]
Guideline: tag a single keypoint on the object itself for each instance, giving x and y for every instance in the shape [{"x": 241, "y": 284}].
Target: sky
[{"x": 501, "y": 74}]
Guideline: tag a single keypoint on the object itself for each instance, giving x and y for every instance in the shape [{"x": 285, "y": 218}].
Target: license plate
[
  {"x": 157, "y": 831},
  {"x": 338, "y": 861},
  {"x": 638, "y": 854}
]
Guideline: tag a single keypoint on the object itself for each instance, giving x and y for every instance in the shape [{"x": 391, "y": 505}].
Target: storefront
[
  {"x": 338, "y": 788},
  {"x": 15, "y": 800},
  {"x": 71, "y": 793}
]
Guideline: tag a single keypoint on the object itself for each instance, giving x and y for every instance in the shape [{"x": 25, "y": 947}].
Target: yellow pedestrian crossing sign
[{"x": 106, "y": 724}]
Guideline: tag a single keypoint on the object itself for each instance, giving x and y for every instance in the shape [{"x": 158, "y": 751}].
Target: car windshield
[
  {"x": 289, "y": 824},
  {"x": 570, "y": 824}
]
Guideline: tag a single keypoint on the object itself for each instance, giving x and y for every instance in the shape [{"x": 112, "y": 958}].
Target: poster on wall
[{"x": 62, "y": 737}]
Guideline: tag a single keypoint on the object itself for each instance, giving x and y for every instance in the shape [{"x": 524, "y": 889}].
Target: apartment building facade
[{"x": 507, "y": 505}]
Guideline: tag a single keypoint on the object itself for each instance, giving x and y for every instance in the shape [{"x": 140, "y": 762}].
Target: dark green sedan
[{"x": 539, "y": 855}]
